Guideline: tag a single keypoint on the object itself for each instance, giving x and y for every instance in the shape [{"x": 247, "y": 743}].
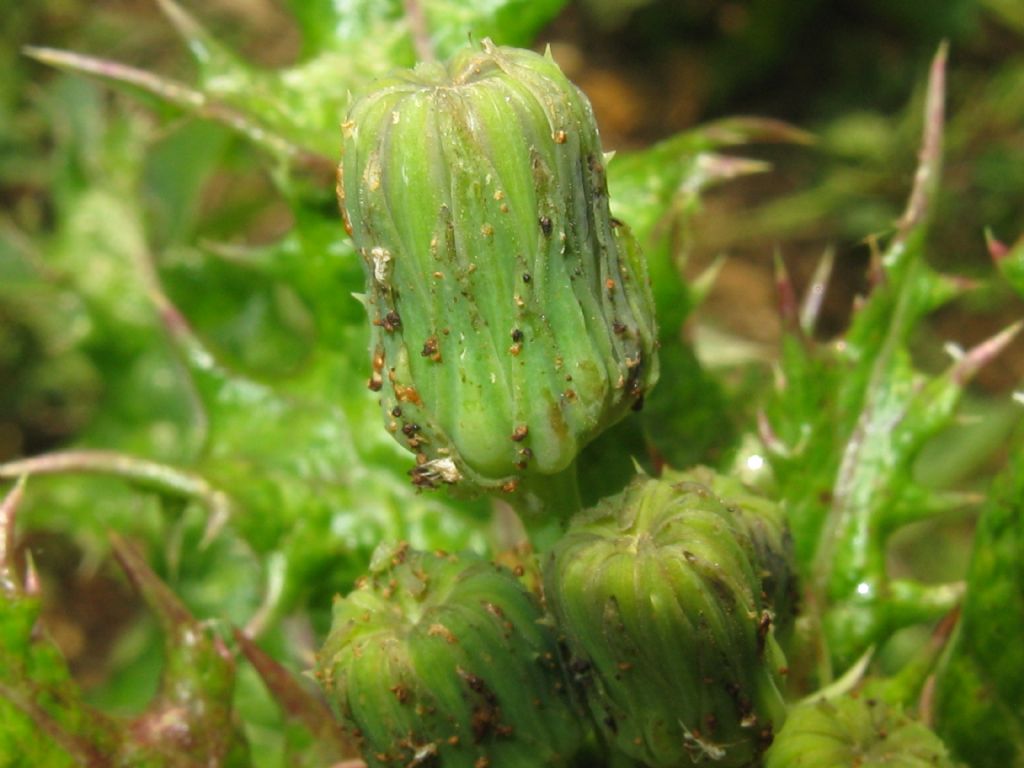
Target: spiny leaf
[
  {"x": 810, "y": 307},
  {"x": 294, "y": 465},
  {"x": 300, "y": 704},
  {"x": 43, "y": 719},
  {"x": 167, "y": 90},
  {"x": 979, "y": 697},
  {"x": 306, "y": 467},
  {"x": 850, "y": 418},
  {"x": 657, "y": 192},
  {"x": 191, "y": 717},
  {"x": 294, "y": 112}
]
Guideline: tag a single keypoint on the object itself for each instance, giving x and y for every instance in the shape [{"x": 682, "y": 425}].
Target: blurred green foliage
[
  {"x": 181, "y": 354},
  {"x": 978, "y": 699}
]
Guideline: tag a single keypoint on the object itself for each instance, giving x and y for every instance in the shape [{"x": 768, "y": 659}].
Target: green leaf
[
  {"x": 320, "y": 738},
  {"x": 302, "y": 460},
  {"x": 196, "y": 685},
  {"x": 179, "y": 97},
  {"x": 328, "y": 25},
  {"x": 850, "y": 418},
  {"x": 294, "y": 112},
  {"x": 177, "y": 168},
  {"x": 979, "y": 701},
  {"x": 507, "y": 22},
  {"x": 43, "y": 719}
]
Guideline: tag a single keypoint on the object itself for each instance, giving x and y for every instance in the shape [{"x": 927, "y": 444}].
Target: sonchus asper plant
[
  {"x": 436, "y": 657},
  {"x": 663, "y": 596},
  {"x": 512, "y": 316}
]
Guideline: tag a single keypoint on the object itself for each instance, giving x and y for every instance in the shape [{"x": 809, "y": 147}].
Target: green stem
[{"x": 545, "y": 504}]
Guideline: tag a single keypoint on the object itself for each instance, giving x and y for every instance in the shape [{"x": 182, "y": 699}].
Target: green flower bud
[
  {"x": 854, "y": 731},
  {"x": 512, "y": 315},
  {"x": 659, "y": 593},
  {"x": 772, "y": 543},
  {"x": 443, "y": 657}
]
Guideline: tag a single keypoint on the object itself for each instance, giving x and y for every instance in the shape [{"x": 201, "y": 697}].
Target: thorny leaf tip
[
  {"x": 170, "y": 611},
  {"x": 979, "y": 356},
  {"x": 194, "y": 34},
  {"x": 294, "y": 699},
  {"x": 814, "y": 296},
  {"x": 997, "y": 249},
  {"x": 785, "y": 294},
  {"x": 926, "y": 179},
  {"x": 8, "y": 510}
]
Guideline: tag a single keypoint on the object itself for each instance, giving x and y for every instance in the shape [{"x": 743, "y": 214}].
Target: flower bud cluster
[
  {"x": 659, "y": 626},
  {"x": 512, "y": 322}
]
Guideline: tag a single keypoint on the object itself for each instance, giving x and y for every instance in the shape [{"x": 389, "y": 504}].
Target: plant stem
[
  {"x": 545, "y": 503},
  {"x": 419, "y": 31}
]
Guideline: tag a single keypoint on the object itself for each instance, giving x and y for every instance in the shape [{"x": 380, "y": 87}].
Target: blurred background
[{"x": 850, "y": 72}]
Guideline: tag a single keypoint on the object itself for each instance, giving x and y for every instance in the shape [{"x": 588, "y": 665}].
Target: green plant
[
  {"x": 448, "y": 657},
  {"x": 207, "y": 367},
  {"x": 666, "y": 595}
]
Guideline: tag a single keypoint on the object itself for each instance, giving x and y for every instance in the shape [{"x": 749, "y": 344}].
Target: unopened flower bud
[
  {"x": 659, "y": 592},
  {"x": 512, "y": 315},
  {"x": 770, "y": 538},
  {"x": 851, "y": 730},
  {"x": 442, "y": 660}
]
